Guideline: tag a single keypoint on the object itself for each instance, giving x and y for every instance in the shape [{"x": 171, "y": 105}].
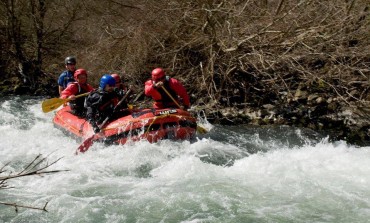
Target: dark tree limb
[
  {"x": 33, "y": 168},
  {"x": 16, "y": 206}
]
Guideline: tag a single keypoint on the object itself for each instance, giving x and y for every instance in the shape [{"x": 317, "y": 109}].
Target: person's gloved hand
[
  {"x": 96, "y": 128},
  {"x": 158, "y": 84},
  {"x": 120, "y": 92}
]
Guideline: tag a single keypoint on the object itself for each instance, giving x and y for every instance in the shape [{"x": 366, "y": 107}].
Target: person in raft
[
  {"x": 119, "y": 83},
  {"x": 161, "y": 85},
  {"x": 121, "y": 88},
  {"x": 101, "y": 103},
  {"x": 67, "y": 76},
  {"x": 80, "y": 86}
]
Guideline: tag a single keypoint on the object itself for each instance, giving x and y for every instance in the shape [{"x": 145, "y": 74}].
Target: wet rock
[
  {"x": 332, "y": 106},
  {"x": 268, "y": 106},
  {"x": 319, "y": 100},
  {"x": 312, "y": 97},
  {"x": 21, "y": 89}
]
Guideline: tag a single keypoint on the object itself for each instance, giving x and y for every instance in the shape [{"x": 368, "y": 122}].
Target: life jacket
[
  {"x": 103, "y": 102},
  {"x": 165, "y": 98},
  {"x": 68, "y": 78},
  {"x": 77, "y": 105}
]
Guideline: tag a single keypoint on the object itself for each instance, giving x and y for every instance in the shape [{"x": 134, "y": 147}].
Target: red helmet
[
  {"x": 157, "y": 74},
  {"x": 79, "y": 72},
  {"x": 116, "y": 77}
]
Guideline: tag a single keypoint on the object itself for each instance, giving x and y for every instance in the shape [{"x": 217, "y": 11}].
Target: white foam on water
[{"x": 205, "y": 181}]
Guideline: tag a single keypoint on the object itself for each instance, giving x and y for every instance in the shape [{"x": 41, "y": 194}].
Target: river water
[{"x": 231, "y": 174}]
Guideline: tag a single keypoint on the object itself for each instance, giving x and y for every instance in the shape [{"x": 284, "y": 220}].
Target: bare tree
[{"x": 33, "y": 28}]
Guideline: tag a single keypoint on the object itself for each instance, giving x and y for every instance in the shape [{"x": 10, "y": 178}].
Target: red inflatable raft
[{"x": 149, "y": 124}]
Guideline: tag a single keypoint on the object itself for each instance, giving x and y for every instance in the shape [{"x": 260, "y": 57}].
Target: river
[{"x": 231, "y": 174}]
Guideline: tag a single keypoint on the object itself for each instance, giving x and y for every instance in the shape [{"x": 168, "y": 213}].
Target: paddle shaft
[
  {"x": 80, "y": 95},
  {"x": 199, "y": 128},
  {"x": 54, "y": 103},
  {"x": 169, "y": 95},
  {"x": 86, "y": 144},
  {"x": 115, "y": 107}
]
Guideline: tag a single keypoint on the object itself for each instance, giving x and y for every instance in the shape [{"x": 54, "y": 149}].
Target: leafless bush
[
  {"x": 233, "y": 52},
  {"x": 230, "y": 49},
  {"x": 37, "y": 166}
]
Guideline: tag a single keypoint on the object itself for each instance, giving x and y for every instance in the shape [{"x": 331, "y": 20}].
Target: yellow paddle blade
[
  {"x": 201, "y": 129},
  {"x": 52, "y": 104}
]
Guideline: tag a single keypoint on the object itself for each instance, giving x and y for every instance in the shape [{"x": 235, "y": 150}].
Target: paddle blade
[
  {"x": 201, "y": 129},
  {"x": 52, "y": 104},
  {"x": 85, "y": 145}
]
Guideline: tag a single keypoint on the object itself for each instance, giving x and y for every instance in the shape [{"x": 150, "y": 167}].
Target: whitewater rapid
[{"x": 232, "y": 174}]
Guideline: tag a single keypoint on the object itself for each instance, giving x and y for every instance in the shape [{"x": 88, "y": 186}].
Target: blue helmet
[{"x": 107, "y": 80}]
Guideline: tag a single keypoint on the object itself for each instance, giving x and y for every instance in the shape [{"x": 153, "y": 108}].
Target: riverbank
[
  {"x": 261, "y": 63},
  {"x": 340, "y": 121},
  {"x": 337, "y": 117}
]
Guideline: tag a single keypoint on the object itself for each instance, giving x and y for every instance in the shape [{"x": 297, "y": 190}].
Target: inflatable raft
[{"x": 149, "y": 124}]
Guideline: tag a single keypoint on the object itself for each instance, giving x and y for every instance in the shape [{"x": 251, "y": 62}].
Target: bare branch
[
  {"x": 16, "y": 206},
  {"x": 31, "y": 169}
]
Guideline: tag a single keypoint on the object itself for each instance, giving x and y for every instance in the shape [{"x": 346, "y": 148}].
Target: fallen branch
[
  {"x": 31, "y": 169},
  {"x": 16, "y": 206}
]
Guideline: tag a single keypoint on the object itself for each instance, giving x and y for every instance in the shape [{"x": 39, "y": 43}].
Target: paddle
[
  {"x": 200, "y": 129},
  {"x": 87, "y": 143},
  {"x": 54, "y": 103}
]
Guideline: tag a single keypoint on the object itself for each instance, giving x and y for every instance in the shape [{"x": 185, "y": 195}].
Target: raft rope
[
  {"x": 129, "y": 123},
  {"x": 66, "y": 124},
  {"x": 154, "y": 119}
]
